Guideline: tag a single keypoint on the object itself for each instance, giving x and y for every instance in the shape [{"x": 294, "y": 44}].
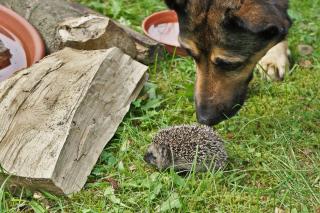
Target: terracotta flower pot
[
  {"x": 164, "y": 27},
  {"x": 22, "y": 39}
]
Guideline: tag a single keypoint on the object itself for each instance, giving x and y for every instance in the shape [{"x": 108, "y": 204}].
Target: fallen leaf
[
  {"x": 38, "y": 196},
  {"x": 305, "y": 64},
  {"x": 114, "y": 183},
  {"x": 230, "y": 136},
  {"x": 264, "y": 198},
  {"x": 305, "y": 49}
]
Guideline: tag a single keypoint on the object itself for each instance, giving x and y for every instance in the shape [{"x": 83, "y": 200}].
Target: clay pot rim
[
  {"x": 147, "y": 23},
  {"x": 34, "y": 41}
]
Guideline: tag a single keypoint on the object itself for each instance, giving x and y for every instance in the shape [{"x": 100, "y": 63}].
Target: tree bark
[
  {"x": 57, "y": 116},
  {"x": 46, "y": 16}
]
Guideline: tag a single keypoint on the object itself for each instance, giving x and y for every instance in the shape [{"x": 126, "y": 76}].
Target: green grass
[{"x": 273, "y": 143}]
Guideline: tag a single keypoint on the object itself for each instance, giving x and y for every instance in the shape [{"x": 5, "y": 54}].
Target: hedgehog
[{"x": 187, "y": 148}]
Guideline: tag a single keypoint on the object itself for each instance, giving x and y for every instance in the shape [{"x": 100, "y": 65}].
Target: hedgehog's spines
[{"x": 186, "y": 142}]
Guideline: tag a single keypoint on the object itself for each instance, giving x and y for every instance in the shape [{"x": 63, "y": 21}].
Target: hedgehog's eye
[
  {"x": 153, "y": 158},
  {"x": 149, "y": 157}
]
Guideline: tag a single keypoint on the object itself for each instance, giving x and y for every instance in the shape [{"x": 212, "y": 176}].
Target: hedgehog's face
[{"x": 159, "y": 156}]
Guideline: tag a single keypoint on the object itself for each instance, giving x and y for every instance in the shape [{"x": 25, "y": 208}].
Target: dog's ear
[
  {"x": 177, "y": 5},
  {"x": 266, "y": 21}
]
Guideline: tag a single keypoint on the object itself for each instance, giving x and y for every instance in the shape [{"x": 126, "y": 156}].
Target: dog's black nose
[
  {"x": 213, "y": 115},
  {"x": 209, "y": 120},
  {"x": 208, "y": 115}
]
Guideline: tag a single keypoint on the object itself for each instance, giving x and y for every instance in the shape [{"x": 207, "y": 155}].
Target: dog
[{"x": 226, "y": 39}]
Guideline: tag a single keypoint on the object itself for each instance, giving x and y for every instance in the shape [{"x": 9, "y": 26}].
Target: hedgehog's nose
[{"x": 147, "y": 157}]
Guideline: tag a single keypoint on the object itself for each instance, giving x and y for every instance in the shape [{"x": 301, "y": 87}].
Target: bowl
[
  {"x": 22, "y": 39},
  {"x": 163, "y": 27}
]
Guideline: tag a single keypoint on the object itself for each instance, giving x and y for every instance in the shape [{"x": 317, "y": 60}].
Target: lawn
[{"x": 273, "y": 143}]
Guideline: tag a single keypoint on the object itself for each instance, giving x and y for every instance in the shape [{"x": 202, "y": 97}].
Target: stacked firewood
[{"x": 57, "y": 116}]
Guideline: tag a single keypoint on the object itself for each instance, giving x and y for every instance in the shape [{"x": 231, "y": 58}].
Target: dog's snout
[
  {"x": 208, "y": 116},
  {"x": 213, "y": 114},
  {"x": 209, "y": 120}
]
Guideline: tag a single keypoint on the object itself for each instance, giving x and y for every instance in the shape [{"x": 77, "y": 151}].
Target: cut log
[
  {"x": 57, "y": 116},
  {"x": 47, "y": 15},
  {"x": 4, "y": 56},
  {"x": 94, "y": 32}
]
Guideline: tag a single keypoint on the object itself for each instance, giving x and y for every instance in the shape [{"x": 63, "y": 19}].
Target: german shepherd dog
[{"x": 227, "y": 38}]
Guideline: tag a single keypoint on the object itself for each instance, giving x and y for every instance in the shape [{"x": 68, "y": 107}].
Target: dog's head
[{"x": 226, "y": 38}]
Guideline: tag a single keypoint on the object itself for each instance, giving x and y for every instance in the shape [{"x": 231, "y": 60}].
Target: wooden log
[
  {"x": 46, "y": 15},
  {"x": 4, "y": 56},
  {"x": 94, "y": 32},
  {"x": 57, "y": 116}
]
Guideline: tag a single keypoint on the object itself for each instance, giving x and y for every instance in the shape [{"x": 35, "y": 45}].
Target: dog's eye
[{"x": 227, "y": 65}]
